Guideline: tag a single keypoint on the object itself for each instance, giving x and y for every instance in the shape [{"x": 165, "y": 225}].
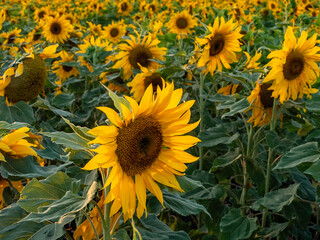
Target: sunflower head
[
  {"x": 294, "y": 68},
  {"x": 139, "y": 54},
  {"x": 182, "y": 23},
  {"x": 57, "y": 29},
  {"x": 220, "y": 45},
  {"x": 30, "y": 83},
  {"x": 144, "y": 146},
  {"x": 114, "y": 32}
]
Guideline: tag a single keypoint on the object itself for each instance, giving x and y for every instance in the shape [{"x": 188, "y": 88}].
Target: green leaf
[
  {"x": 44, "y": 192},
  {"x": 117, "y": 100},
  {"x": 44, "y": 104},
  {"x": 19, "y": 112},
  {"x": 80, "y": 131},
  {"x": 216, "y": 135},
  {"x": 70, "y": 140},
  {"x": 69, "y": 203},
  {"x": 63, "y": 100},
  {"x": 273, "y": 231},
  {"x": 11, "y": 126},
  {"x": 307, "y": 152},
  {"x": 272, "y": 139},
  {"x": 222, "y": 161},
  {"x": 314, "y": 171},
  {"x": 53, "y": 231},
  {"x": 212, "y": 192},
  {"x": 234, "y": 226},
  {"x": 182, "y": 206},
  {"x": 28, "y": 167},
  {"x": 121, "y": 235},
  {"x": 11, "y": 228},
  {"x": 276, "y": 200},
  {"x": 188, "y": 184},
  {"x": 159, "y": 230},
  {"x": 237, "y": 107}
]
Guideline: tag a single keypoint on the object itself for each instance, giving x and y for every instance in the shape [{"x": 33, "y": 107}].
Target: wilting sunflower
[
  {"x": 134, "y": 53},
  {"x": 294, "y": 67},
  {"x": 114, "y": 32},
  {"x": 57, "y": 29},
  {"x": 261, "y": 104},
  {"x": 14, "y": 145},
  {"x": 28, "y": 80},
  {"x": 220, "y": 45},
  {"x": 182, "y": 23},
  {"x": 141, "y": 82},
  {"x": 252, "y": 62},
  {"x": 145, "y": 146},
  {"x": 5, "y": 184},
  {"x": 230, "y": 89},
  {"x": 64, "y": 71}
]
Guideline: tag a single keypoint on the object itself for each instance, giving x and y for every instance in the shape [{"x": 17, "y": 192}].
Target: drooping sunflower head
[
  {"x": 141, "y": 82},
  {"x": 57, "y": 29},
  {"x": 220, "y": 45},
  {"x": 294, "y": 67},
  {"x": 135, "y": 53},
  {"x": 261, "y": 101},
  {"x": 144, "y": 146},
  {"x": 30, "y": 83},
  {"x": 182, "y": 23},
  {"x": 114, "y": 32}
]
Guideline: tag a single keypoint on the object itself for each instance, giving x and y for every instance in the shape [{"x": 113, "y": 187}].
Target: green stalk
[
  {"x": 202, "y": 78},
  {"x": 270, "y": 152},
  {"x": 103, "y": 221},
  {"x": 106, "y": 227}
]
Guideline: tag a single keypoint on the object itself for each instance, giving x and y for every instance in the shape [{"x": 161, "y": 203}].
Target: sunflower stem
[
  {"x": 270, "y": 152},
  {"x": 202, "y": 78},
  {"x": 104, "y": 224},
  {"x": 106, "y": 227}
]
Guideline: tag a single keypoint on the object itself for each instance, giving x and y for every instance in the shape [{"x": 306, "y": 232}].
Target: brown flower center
[
  {"x": 114, "y": 32},
  {"x": 36, "y": 36},
  {"x": 124, "y": 7},
  {"x": 141, "y": 55},
  {"x": 182, "y": 23},
  {"x": 139, "y": 145},
  {"x": 11, "y": 38},
  {"x": 155, "y": 80},
  {"x": 41, "y": 14},
  {"x": 265, "y": 95},
  {"x": 294, "y": 65},
  {"x": 216, "y": 44},
  {"x": 55, "y": 28},
  {"x": 67, "y": 68}
]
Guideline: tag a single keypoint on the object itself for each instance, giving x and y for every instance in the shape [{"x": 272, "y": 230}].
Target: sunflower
[
  {"x": 220, "y": 45},
  {"x": 134, "y": 53},
  {"x": 181, "y": 23},
  {"x": 142, "y": 81},
  {"x": 294, "y": 68},
  {"x": 14, "y": 145},
  {"x": 41, "y": 13},
  {"x": 95, "y": 29},
  {"x": 146, "y": 146},
  {"x": 2, "y": 17},
  {"x": 92, "y": 47},
  {"x": 124, "y": 7},
  {"x": 253, "y": 62},
  {"x": 64, "y": 71},
  {"x": 57, "y": 29},
  {"x": 12, "y": 36},
  {"x": 28, "y": 80},
  {"x": 114, "y": 32},
  {"x": 261, "y": 104},
  {"x": 34, "y": 36}
]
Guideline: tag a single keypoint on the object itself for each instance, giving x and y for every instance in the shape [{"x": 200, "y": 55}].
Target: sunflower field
[{"x": 166, "y": 119}]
